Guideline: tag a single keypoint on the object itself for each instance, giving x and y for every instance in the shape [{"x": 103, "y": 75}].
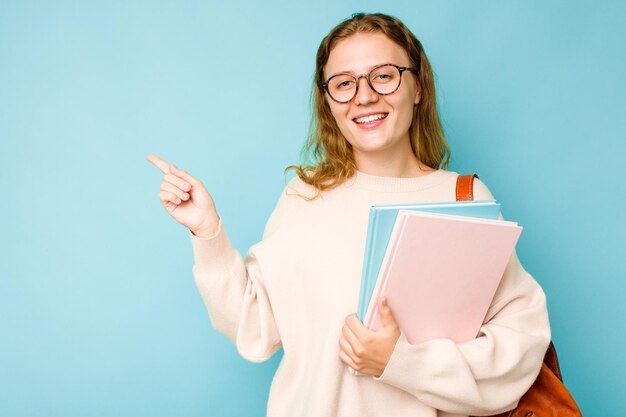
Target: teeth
[{"x": 370, "y": 118}]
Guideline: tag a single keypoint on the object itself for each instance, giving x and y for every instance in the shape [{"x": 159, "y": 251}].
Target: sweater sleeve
[
  {"x": 235, "y": 294},
  {"x": 489, "y": 374}
]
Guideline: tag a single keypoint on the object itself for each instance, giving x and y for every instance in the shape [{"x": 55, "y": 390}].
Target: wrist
[{"x": 207, "y": 230}]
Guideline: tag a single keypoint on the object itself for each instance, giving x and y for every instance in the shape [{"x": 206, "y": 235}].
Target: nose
[{"x": 364, "y": 94}]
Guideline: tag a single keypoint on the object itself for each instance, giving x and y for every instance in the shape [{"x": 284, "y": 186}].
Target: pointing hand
[{"x": 186, "y": 199}]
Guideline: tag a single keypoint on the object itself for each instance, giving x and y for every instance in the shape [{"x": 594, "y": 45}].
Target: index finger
[{"x": 159, "y": 163}]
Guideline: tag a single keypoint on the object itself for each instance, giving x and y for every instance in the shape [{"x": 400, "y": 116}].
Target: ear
[{"x": 418, "y": 94}]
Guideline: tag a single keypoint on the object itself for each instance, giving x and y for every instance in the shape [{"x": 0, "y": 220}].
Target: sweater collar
[{"x": 396, "y": 184}]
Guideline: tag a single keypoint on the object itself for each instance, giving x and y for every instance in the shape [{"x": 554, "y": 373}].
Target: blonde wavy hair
[{"x": 332, "y": 154}]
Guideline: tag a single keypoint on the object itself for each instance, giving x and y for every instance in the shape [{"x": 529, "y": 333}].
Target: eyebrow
[{"x": 368, "y": 70}]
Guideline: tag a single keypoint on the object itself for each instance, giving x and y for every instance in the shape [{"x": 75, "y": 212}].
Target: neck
[{"x": 402, "y": 165}]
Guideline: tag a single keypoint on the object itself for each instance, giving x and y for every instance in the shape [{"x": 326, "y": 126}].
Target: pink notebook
[{"x": 440, "y": 273}]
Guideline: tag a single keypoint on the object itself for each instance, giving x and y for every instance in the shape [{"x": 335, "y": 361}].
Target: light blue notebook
[{"x": 381, "y": 221}]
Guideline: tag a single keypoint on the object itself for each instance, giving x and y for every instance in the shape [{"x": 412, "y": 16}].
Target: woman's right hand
[{"x": 186, "y": 199}]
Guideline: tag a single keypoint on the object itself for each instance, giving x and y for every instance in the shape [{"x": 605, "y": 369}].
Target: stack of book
[{"x": 438, "y": 265}]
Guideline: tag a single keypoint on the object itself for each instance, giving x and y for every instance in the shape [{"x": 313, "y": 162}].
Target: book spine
[
  {"x": 372, "y": 311},
  {"x": 367, "y": 260}
]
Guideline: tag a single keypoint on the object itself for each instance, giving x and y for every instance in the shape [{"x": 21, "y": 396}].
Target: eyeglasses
[{"x": 383, "y": 79}]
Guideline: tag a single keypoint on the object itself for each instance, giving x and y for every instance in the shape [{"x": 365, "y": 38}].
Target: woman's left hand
[{"x": 367, "y": 351}]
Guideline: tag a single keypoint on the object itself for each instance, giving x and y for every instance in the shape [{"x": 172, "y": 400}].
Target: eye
[
  {"x": 343, "y": 83},
  {"x": 385, "y": 74},
  {"x": 383, "y": 77}
]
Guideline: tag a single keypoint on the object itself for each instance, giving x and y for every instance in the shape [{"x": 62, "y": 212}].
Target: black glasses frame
[{"x": 357, "y": 78}]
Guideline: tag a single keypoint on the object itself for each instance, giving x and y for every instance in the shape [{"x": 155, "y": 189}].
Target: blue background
[{"x": 99, "y": 315}]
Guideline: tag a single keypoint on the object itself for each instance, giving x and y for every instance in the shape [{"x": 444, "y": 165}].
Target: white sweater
[{"x": 296, "y": 287}]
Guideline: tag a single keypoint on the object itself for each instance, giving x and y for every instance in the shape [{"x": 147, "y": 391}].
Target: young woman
[{"x": 377, "y": 140}]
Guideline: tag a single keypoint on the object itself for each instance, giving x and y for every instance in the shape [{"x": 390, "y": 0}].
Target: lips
[{"x": 369, "y": 118}]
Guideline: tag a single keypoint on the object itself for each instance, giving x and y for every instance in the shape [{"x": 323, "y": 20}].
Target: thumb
[{"x": 386, "y": 316}]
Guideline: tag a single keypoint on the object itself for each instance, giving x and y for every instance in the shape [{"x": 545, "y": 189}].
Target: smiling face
[{"x": 377, "y": 126}]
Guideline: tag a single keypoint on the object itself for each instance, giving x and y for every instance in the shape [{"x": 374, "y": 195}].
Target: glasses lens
[
  {"x": 385, "y": 79},
  {"x": 341, "y": 87}
]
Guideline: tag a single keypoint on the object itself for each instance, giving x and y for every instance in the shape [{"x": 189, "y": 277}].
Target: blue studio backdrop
[{"x": 99, "y": 314}]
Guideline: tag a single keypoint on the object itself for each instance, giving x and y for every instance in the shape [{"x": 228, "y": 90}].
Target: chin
[{"x": 370, "y": 144}]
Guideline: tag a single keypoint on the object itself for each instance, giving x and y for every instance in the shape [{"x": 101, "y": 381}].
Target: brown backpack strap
[
  {"x": 552, "y": 361},
  {"x": 544, "y": 391},
  {"x": 465, "y": 192},
  {"x": 465, "y": 187}
]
